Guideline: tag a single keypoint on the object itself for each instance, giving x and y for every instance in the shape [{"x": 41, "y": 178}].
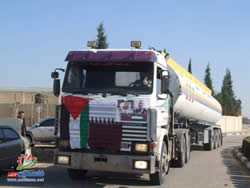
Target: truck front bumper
[{"x": 106, "y": 162}]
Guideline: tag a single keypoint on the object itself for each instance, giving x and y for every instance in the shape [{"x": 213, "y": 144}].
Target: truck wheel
[
  {"x": 75, "y": 174},
  {"x": 210, "y": 145},
  {"x": 180, "y": 162},
  {"x": 218, "y": 138},
  {"x": 158, "y": 177},
  {"x": 221, "y": 138},
  {"x": 183, "y": 154},
  {"x": 215, "y": 139},
  {"x": 188, "y": 148}
]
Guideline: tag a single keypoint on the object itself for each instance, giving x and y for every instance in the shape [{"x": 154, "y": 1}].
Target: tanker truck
[{"x": 130, "y": 111}]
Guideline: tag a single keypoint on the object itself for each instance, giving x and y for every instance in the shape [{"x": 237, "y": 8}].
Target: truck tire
[
  {"x": 188, "y": 148},
  {"x": 215, "y": 139},
  {"x": 221, "y": 138},
  {"x": 218, "y": 138},
  {"x": 159, "y": 177},
  {"x": 180, "y": 162},
  {"x": 210, "y": 145},
  {"x": 75, "y": 174}
]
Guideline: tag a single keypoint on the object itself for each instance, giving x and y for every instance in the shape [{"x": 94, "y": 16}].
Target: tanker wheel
[
  {"x": 188, "y": 148},
  {"x": 209, "y": 146},
  {"x": 159, "y": 177},
  {"x": 215, "y": 139},
  {"x": 76, "y": 174},
  {"x": 218, "y": 137},
  {"x": 220, "y": 141},
  {"x": 180, "y": 162},
  {"x": 221, "y": 138}
]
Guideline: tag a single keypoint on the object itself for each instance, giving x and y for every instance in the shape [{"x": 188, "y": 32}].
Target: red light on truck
[
  {"x": 149, "y": 53},
  {"x": 152, "y": 145}
]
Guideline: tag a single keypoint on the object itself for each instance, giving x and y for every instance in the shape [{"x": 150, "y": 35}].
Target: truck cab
[{"x": 113, "y": 112}]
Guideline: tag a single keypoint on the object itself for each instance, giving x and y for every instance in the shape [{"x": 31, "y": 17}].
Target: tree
[
  {"x": 208, "y": 79},
  {"x": 101, "y": 38},
  {"x": 230, "y": 105},
  {"x": 190, "y": 66}
]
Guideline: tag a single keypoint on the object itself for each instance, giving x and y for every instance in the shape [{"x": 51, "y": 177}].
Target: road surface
[{"x": 206, "y": 169}]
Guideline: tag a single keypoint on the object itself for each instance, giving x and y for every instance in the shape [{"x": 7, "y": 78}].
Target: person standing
[
  {"x": 23, "y": 128},
  {"x": 26, "y": 140}
]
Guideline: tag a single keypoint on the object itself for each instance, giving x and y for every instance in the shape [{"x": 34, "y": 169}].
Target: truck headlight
[
  {"x": 141, "y": 165},
  {"x": 141, "y": 147},
  {"x": 63, "y": 160}
]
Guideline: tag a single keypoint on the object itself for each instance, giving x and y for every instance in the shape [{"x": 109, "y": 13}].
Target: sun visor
[{"x": 112, "y": 56}]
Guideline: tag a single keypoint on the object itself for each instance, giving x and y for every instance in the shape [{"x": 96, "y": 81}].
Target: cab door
[{"x": 162, "y": 101}]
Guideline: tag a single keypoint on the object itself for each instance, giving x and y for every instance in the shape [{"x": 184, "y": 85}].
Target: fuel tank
[{"x": 192, "y": 99}]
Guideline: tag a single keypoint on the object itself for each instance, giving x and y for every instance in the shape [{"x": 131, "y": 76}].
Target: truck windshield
[{"x": 113, "y": 78}]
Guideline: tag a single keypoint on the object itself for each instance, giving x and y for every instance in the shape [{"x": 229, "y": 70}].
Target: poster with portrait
[{"x": 132, "y": 110}]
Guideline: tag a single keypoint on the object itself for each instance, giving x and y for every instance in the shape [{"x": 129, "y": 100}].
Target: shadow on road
[
  {"x": 93, "y": 179},
  {"x": 239, "y": 174},
  {"x": 197, "y": 148}
]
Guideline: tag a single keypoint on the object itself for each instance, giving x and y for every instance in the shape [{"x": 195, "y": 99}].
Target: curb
[
  {"x": 242, "y": 158},
  {"x": 233, "y": 134}
]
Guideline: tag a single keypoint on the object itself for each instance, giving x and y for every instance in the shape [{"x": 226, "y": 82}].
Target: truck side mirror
[
  {"x": 56, "y": 87},
  {"x": 165, "y": 82},
  {"x": 54, "y": 75}
]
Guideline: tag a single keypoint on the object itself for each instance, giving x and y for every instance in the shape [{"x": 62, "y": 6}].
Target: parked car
[
  {"x": 42, "y": 132},
  {"x": 12, "y": 144}
]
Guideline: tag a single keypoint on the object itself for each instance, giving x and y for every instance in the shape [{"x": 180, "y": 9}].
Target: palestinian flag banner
[{"x": 78, "y": 108}]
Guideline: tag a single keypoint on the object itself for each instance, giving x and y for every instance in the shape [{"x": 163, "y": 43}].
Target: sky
[{"x": 36, "y": 36}]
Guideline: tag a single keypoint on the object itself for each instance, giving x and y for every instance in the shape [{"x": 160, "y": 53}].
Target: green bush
[{"x": 246, "y": 146}]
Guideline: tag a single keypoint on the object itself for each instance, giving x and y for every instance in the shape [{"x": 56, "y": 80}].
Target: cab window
[{"x": 159, "y": 77}]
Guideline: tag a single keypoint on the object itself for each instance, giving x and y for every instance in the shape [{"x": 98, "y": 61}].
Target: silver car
[{"x": 42, "y": 132}]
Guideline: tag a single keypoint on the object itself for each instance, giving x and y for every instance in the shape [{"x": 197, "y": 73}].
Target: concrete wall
[
  {"x": 33, "y": 112},
  {"x": 11, "y": 102},
  {"x": 230, "y": 124}
]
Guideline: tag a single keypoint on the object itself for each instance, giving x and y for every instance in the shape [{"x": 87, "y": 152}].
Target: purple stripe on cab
[{"x": 111, "y": 56}]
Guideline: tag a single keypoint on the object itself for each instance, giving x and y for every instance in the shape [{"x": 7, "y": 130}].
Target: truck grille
[{"x": 134, "y": 132}]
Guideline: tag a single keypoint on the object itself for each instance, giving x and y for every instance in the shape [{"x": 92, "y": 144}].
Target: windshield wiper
[
  {"x": 119, "y": 93},
  {"x": 132, "y": 93},
  {"x": 79, "y": 92},
  {"x": 83, "y": 92},
  {"x": 137, "y": 93}
]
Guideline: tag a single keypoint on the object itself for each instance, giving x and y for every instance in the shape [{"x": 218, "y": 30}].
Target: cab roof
[{"x": 113, "y": 55}]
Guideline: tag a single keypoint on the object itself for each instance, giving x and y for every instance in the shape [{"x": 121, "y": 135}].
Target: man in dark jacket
[{"x": 23, "y": 128}]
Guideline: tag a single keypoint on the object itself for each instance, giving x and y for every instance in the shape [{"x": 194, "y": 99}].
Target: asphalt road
[{"x": 206, "y": 169}]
